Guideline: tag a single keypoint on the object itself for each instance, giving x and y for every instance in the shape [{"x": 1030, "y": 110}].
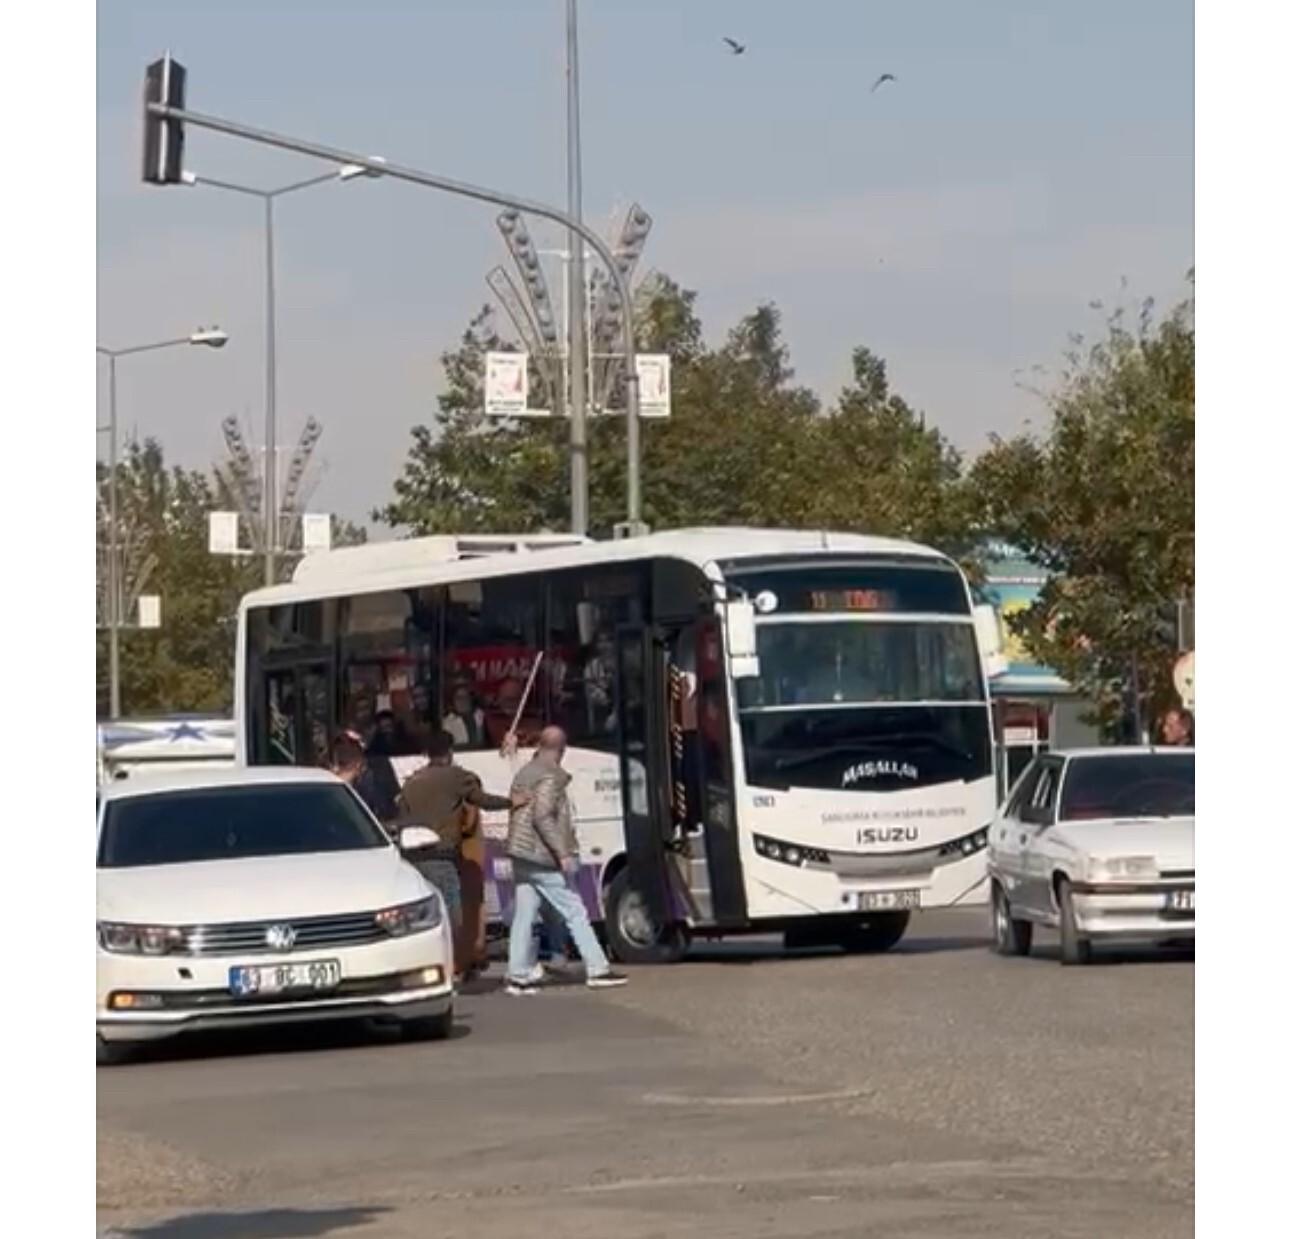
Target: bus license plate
[
  {"x": 888, "y": 901},
  {"x": 257, "y": 980},
  {"x": 1181, "y": 901}
]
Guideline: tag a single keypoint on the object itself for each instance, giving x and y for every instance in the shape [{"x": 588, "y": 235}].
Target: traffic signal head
[{"x": 163, "y": 138}]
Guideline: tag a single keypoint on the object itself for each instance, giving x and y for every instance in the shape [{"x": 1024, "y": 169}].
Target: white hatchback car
[
  {"x": 1100, "y": 845},
  {"x": 230, "y": 898}
]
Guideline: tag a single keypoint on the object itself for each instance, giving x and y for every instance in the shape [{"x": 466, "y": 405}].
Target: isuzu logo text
[{"x": 887, "y": 834}]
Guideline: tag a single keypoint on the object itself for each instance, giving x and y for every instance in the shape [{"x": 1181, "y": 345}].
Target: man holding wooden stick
[{"x": 543, "y": 849}]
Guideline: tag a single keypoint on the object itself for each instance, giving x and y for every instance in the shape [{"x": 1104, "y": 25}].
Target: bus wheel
[
  {"x": 634, "y": 938},
  {"x": 873, "y": 933}
]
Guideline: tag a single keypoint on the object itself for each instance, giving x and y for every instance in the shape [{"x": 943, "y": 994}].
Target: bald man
[{"x": 543, "y": 848}]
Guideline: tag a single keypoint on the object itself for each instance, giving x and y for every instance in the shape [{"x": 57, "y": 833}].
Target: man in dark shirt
[
  {"x": 351, "y": 764},
  {"x": 446, "y": 798}
]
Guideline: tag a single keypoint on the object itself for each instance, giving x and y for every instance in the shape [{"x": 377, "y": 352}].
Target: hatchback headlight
[
  {"x": 411, "y": 918},
  {"x": 1126, "y": 867},
  {"x": 121, "y": 939}
]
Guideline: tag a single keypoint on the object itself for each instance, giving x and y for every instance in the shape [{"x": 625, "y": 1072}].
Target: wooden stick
[{"x": 524, "y": 700}]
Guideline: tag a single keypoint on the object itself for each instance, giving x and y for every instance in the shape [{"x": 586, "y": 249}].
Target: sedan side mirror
[
  {"x": 411, "y": 838},
  {"x": 1036, "y": 817}
]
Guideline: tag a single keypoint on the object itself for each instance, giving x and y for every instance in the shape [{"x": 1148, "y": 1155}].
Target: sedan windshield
[
  {"x": 233, "y": 823},
  {"x": 1143, "y": 785}
]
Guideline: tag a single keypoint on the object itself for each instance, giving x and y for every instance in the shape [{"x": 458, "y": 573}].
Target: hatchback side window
[
  {"x": 1044, "y": 796},
  {"x": 1024, "y": 789}
]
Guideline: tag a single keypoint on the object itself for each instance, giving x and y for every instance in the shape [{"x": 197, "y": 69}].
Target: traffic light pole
[{"x": 379, "y": 167}]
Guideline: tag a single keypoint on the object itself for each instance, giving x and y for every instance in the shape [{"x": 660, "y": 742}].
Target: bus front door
[
  {"x": 297, "y": 714},
  {"x": 643, "y": 767}
]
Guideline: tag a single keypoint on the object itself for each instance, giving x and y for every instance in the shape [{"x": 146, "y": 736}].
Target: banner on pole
[
  {"x": 654, "y": 370},
  {"x": 222, "y": 533},
  {"x": 315, "y": 532},
  {"x": 149, "y": 610},
  {"x": 506, "y": 384}
]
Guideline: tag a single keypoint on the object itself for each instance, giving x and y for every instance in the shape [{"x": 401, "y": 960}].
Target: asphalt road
[{"x": 935, "y": 1091}]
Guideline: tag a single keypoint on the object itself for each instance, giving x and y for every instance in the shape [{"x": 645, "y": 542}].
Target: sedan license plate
[
  {"x": 888, "y": 901},
  {"x": 257, "y": 980},
  {"x": 1181, "y": 901}
]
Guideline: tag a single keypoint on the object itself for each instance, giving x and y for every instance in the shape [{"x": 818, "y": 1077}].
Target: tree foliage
[
  {"x": 186, "y": 665},
  {"x": 1106, "y": 503},
  {"x": 744, "y": 444}
]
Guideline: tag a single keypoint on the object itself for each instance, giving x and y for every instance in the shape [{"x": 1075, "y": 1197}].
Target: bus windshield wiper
[{"x": 877, "y": 745}]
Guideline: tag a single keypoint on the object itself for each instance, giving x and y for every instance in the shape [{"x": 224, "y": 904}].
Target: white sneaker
[
  {"x": 520, "y": 988},
  {"x": 606, "y": 980}
]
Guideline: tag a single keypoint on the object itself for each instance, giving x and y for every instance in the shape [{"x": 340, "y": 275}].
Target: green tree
[
  {"x": 881, "y": 469},
  {"x": 1106, "y": 503},
  {"x": 187, "y": 664}
]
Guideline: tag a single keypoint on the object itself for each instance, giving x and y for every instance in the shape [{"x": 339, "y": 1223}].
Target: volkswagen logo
[{"x": 280, "y": 937}]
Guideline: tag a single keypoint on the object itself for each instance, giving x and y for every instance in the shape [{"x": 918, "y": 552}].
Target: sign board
[
  {"x": 222, "y": 533},
  {"x": 315, "y": 531},
  {"x": 1185, "y": 680},
  {"x": 654, "y": 370},
  {"x": 149, "y": 610},
  {"x": 506, "y": 383}
]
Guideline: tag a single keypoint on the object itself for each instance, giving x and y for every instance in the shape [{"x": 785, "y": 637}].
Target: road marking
[{"x": 765, "y": 1099}]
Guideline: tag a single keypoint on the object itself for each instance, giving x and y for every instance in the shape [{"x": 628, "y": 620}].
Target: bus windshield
[{"x": 849, "y": 662}]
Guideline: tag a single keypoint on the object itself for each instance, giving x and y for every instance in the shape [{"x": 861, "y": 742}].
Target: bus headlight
[
  {"x": 966, "y": 845},
  {"x": 795, "y": 854}
]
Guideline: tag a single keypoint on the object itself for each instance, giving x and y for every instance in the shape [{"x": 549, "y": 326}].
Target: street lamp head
[
  {"x": 351, "y": 171},
  {"x": 212, "y": 337}
]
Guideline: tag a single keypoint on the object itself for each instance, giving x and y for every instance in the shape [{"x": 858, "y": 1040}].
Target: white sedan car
[
  {"x": 232, "y": 898},
  {"x": 1098, "y": 844}
]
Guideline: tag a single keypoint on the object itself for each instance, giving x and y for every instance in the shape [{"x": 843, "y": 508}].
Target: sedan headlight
[
  {"x": 1125, "y": 867},
  {"x": 411, "y": 918},
  {"x": 123, "y": 939}
]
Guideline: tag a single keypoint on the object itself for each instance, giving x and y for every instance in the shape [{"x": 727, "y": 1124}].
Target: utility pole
[{"x": 579, "y": 501}]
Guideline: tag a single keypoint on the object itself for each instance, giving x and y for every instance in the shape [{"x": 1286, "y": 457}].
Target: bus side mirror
[
  {"x": 989, "y": 637},
  {"x": 741, "y": 640}
]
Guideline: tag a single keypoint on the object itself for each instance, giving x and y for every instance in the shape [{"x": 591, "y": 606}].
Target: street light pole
[
  {"x": 268, "y": 196},
  {"x": 378, "y": 167},
  {"x": 270, "y": 403},
  {"x": 579, "y": 502},
  {"x": 212, "y": 338},
  {"x": 114, "y": 583}
]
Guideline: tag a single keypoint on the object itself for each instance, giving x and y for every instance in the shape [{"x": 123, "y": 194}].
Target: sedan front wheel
[
  {"x": 1076, "y": 949},
  {"x": 1011, "y": 936}
]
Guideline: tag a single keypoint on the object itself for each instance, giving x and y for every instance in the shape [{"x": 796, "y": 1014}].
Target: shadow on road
[
  {"x": 298, "y": 1039},
  {"x": 260, "y": 1224}
]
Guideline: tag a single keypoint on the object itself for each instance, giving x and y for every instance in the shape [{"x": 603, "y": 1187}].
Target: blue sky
[{"x": 1032, "y": 155}]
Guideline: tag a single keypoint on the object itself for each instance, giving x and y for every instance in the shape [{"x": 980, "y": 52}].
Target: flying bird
[
  {"x": 736, "y": 49},
  {"x": 886, "y": 77}
]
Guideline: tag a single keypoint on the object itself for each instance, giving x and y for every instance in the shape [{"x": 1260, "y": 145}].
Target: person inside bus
[
  {"x": 392, "y": 738},
  {"x": 501, "y": 720},
  {"x": 465, "y": 721},
  {"x": 350, "y": 764},
  {"x": 599, "y": 679}
]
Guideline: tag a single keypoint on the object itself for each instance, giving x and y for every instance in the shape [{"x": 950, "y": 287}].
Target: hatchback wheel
[{"x": 1011, "y": 936}]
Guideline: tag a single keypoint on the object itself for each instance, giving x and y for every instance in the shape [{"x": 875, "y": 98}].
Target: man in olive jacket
[
  {"x": 440, "y": 795},
  {"x": 543, "y": 848}
]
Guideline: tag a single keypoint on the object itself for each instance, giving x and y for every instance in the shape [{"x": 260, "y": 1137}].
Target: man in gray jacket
[{"x": 543, "y": 848}]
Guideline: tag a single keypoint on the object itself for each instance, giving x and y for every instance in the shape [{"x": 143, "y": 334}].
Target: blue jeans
[{"x": 535, "y": 886}]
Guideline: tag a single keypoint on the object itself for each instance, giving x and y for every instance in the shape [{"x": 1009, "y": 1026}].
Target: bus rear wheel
[
  {"x": 634, "y": 937},
  {"x": 873, "y": 932}
]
